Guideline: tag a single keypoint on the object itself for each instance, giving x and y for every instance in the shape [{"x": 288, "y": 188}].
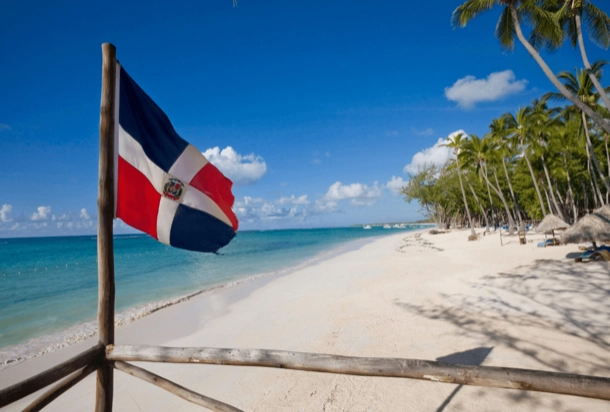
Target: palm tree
[
  {"x": 509, "y": 25},
  {"x": 500, "y": 137},
  {"x": 581, "y": 85},
  {"x": 456, "y": 143},
  {"x": 563, "y": 144},
  {"x": 476, "y": 198},
  {"x": 545, "y": 123},
  {"x": 570, "y": 14},
  {"x": 521, "y": 128},
  {"x": 480, "y": 151}
]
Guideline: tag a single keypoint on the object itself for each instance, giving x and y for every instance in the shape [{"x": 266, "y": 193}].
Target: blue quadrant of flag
[{"x": 165, "y": 186}]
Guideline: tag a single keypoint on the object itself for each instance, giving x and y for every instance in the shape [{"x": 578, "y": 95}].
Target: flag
[{"x": 164, "y": 186}]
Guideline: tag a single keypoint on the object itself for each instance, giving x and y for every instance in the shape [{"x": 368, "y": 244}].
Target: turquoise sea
[{"x": 48, "y": 286}]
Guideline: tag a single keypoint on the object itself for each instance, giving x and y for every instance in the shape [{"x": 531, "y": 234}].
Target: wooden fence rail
[
  {"x": 488, "y": 376},
  {"x": 29, "y": 386}
]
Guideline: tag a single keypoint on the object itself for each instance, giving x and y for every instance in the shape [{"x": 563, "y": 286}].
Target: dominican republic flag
[{"x": 165, "y": 186}]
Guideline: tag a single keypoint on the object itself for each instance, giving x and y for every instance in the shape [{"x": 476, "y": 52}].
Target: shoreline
[
  {"x": 408, "y": 295},
  {"x": 15, "y": 354}
]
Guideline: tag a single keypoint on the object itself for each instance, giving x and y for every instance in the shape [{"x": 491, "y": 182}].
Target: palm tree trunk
[
  {"x": 595, "y": 188},
  {"x": 593, "y": 155},
  {"x": 607, "y": 155},
  {"x": 551, "y": 76},
  {"x": 585, "y": 60},
  {"x": 464, "y": 195},
  {"x": 512, "y": 194},
  {"x": 534, "y": 180},
  {"x": 570, "y": 192},
  {"x": 511, "y": 222},
  {"x": 548, "y": 201},
  {"x": 586, "y": 195},
  {"x": 479, "y": 203},
  {"x": 510, "y": 217},
  {"x": 491, "y": 205},
  {"x": 548, "y": 180}
]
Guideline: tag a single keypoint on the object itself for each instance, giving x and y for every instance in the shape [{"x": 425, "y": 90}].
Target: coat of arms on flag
[{"x": 165, "y": 186}]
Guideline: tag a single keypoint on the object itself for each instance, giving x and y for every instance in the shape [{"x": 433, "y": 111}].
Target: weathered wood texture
[
  {"x": 510, "y": 378},
  {"x": 27, "y": 387},
  {"x": 105, "y": 207},
  {"x": 60, "y": 388},
  {"x": 174, "y": 388}
]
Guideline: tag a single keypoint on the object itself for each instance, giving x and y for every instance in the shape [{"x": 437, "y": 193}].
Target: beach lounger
[
  {"x": 548, "y": 242},
  {"x": 601, "y": 253},
  {"x": 590, "y": 255}
]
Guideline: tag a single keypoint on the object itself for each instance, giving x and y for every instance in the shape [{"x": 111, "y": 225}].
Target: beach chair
[
  {"x": 585, "y": 256},
  {"x": 548, "y": 242},
  {"x": 601, "y": 253},
  {"x": 589, "y": 255}
]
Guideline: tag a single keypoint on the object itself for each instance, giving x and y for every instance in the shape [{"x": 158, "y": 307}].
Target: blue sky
[{"x": 316, "y": 109}]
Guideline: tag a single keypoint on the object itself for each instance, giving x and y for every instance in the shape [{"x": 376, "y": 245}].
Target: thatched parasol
[
  {"x": 551, "y": 223},
  {"x": 604, "y": 211},
  {"x": 591, "y": 228}
]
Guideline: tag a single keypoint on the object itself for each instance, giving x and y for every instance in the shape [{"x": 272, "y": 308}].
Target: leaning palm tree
[
  {"x": 521, "y": 127},
  {"x": 581, "y": 85},
  {"x": 546, "y": 122},
  {"x": 509, "y": 25},
  {"x": 500, "y": 136},
  {"x": 480, "y": 152},
  {"x": 563, "y": 144},
  {"x": 456, "y": 143},
  {"x": 571, "y": 14}
]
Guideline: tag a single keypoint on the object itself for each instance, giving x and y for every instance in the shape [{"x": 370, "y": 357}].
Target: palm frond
[
  {"x": 547, "y": 23},
  {"x": 598, "y": 24},
  {"x": 505, "y": 30},
  {"x": 469, "y": 10}
]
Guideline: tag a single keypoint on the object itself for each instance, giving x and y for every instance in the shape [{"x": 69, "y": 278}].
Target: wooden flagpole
[{"x": 105, "y": 207}]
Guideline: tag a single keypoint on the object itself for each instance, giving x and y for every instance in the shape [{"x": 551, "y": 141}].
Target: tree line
[{"x": 544, "y": 158}]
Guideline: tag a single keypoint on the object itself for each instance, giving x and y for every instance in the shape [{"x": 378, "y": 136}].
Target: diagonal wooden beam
[
  {"x": 29, "y": 386},
  {"x": 56, "y": 391},
  {"x": 174, "y": 388},
  {"x": 489, "y": 376}
]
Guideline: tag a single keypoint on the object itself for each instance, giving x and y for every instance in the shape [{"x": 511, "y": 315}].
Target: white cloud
[
  {"x": 469, "y": 90},
  {"x": 254, "y": 210},
  {"x": 4, "y": 127},
  {"x": 436, "y": 155},
  {"x": 5, "y": 212},
  {"x": 84, "y": 214},
  {"x": 242, "y": 170},
  {"x": 358, "y": 193},
  {"x": 396, "y": 184},
  {"x": 292, "y": 200},
  {"x": 42, "y": 214}
]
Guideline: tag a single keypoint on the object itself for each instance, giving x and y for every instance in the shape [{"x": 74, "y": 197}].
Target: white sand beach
[{"x": 411, "y": 295}]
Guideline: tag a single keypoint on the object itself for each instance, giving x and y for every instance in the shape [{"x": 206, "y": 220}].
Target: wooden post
[{"x": 105, "y": 207}]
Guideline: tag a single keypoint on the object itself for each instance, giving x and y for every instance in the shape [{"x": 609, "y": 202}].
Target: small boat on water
[
  {"x": 387, "y": 227},
  {"x": 367, "y": 227}
]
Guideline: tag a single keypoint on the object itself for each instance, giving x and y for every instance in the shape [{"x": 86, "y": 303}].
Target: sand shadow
[
  {"x": 516, "y": 309},
  {"x": 473, "y": 357}
]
